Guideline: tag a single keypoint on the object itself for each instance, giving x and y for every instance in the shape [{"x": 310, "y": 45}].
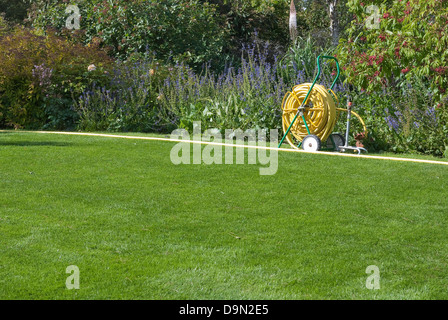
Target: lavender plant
[
  {"x": 143, "y": 97},
  {"x": 248, "y": 96},
  {"x": 128, "y": 103}
]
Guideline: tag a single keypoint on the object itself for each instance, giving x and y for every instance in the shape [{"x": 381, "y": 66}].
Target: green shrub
[
  {"x": 187, "y": 30},
  {"x": 302, "y": 56},
  {"x": 404, "y": 119},
  {"x": 40, "y": 74},
  {"x": 3, "y": 25},
  {"x": 14, "y": 10},
  {"x": 410, "y": 40}
]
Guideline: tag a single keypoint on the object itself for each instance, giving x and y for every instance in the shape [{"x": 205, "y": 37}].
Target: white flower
[{"x": 92, "y": 67}]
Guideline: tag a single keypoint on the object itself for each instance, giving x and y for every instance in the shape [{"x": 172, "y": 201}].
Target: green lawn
[{"x": 140, "y": 227}]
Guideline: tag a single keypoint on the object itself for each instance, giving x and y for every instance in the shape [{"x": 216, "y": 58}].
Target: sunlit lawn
[{"x": 140, "y": 227}]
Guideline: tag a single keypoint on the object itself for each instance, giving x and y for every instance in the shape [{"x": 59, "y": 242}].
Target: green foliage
[
  {"x": 404, "y": 119},
  {"x": 402, "y": 69},
  {"x": 265, "y": 20},
  {"x": 15, "y": 11},
  {"x": 40, "y": 74},
  {"x": 163, "y": 81},
  {"x": 302, "y": 55},
  {"x": 191, "y": 31},
  {"x": 3, "y": 25},
  {"x": 185, "y": 30},
  {"x": 248, "y": 97},
  {"x": 411, "y": 40},
  {"x": 312, "y": 19}
]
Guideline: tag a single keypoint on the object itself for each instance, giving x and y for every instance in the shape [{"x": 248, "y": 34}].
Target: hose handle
[{"x": 318, "y": 68}]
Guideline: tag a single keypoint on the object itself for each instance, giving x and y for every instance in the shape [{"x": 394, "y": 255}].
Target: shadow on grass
[{"x": 34, "y": 143}]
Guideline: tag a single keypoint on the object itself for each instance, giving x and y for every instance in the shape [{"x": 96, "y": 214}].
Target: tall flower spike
[{"x": 292, "y": 21}]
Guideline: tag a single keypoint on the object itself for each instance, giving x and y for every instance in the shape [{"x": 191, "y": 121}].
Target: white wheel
[
  {"x": 311, "y": 143},
  {"x": 338, "y": 141}
]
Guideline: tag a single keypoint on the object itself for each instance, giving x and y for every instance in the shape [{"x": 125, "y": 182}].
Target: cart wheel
[
  {"x": 338, "y": 141},
  {"x": 311, "y": 143}
]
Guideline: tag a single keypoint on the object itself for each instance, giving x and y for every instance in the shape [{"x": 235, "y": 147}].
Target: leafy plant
[
  {"x": 38, "y": 76},
  {"x": 14, "y": 11},
  {"x": 403, "y": 119},
  {"x": 410, "y": 40},
  {"x": 302, "y": 56},
  {"x": 185, "y": 30}
]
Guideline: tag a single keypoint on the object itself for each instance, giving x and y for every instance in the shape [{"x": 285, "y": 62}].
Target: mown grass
[{"x": 140, "y": 227}]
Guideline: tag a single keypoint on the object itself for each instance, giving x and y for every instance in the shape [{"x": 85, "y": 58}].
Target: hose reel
[{"x": 309, "y": 115}]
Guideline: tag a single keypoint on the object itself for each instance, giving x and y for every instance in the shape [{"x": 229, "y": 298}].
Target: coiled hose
[{"x": 320, "y": 112}]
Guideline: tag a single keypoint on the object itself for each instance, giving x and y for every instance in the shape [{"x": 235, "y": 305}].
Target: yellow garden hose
[{"x": 320, "y": 112}]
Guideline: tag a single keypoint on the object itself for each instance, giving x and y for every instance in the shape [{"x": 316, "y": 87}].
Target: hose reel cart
[{"x": 310, "y": 112}]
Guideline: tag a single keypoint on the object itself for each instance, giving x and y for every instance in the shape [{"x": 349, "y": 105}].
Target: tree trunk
[
  {"x": 292, "y": 21},
  {"x": 334, "y": 22}
]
